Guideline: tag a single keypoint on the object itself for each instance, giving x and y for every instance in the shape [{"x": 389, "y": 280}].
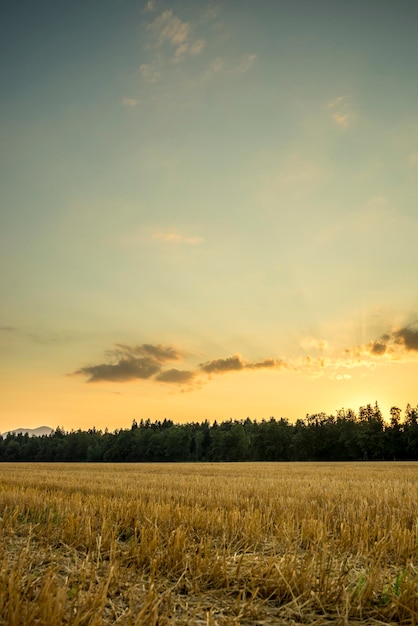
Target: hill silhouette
[{"x": 32, "y": 432}]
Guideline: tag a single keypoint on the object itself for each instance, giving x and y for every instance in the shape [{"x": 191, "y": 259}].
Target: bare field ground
[{"x": 223, "y": 544}]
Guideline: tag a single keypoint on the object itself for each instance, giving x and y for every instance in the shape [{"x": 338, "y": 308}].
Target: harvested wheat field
[{"x": 248, "y": 544}]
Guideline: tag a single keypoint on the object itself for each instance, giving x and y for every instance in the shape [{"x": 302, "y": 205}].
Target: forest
[{"x": 345, "y": 436}]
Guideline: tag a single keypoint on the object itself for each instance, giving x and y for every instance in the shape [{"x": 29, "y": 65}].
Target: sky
[{"x": 207, "y": 210}]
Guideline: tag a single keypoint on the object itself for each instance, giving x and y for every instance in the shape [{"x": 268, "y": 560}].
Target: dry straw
[{"x": 221, "y": 544}]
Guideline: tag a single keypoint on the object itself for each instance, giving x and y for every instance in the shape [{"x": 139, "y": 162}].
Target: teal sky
[{"x": 222, "y": 180}]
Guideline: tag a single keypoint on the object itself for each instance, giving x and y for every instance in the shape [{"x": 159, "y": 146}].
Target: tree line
[{"x": 345, "y": 436}]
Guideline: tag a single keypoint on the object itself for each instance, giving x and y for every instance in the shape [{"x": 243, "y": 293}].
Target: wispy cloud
[
  {"x": 150, "y": 6},
  {"x": 398, "y": 345},
  {"x": 341, "y": 111},
  {"x": 337, "y": 102},
  {"x": 341, "y": 119},
  {"x": 216, "y": 66},
  {"x": 177, "y": 238},
  {"x": 40, "y": 337},
  {"x": 185, "y": 48},
  {"x": 171, "y": 41},
  {"x": 211, "y": 13},
  {"x": 169, "y": 30},
  {"x": 149, "y": 73},
  {"x": 310, "y": 343},
  {"x": 158, "y": 352},
  {"x": 243, "y": 65},
  {"x": 246, "y": 62},
  {"x": 130, "y": 102}
]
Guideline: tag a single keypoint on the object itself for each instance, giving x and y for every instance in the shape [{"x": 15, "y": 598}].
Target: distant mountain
[{"x": 32, "y": 432}]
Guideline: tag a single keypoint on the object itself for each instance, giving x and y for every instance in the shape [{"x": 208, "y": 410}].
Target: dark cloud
[
  {"x": 125, "y": 369},
  {"x": 378, "y": 347},
  {"x": 176, "y": 376},
  {"x": 408, "y": 337},
  {"x": 219, "y": 366},
  {"x": 267, "y": 363},
  {"x": 132, "y": 362},
  {"x": 8, "y": 329},
  {"x": 236, "y": 363},
  {"x": 146, "y": 361}
]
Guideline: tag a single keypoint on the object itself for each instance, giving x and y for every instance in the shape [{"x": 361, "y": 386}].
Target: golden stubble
[{"x": 246, "y": 543}]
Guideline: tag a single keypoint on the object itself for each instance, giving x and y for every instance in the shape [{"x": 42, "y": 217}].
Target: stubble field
[{"x": 202, "y": 544}]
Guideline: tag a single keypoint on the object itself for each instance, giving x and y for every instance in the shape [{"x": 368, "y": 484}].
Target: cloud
[
  {"x": 219, "y": 366},
  {"x": 197, "y": 46},
  {"x": 134, "y": 362},
  {"x": 126, "y": 363},
  {"x": 180, "y": 52},
  {"x": 394, "y": 345},
  {"x": 398, "y": 345},
  {"x": 176, "y": 238},
  {"x": 169, "y": 28},
  {"x": 160, "y": 353},
  {"x": 316, "y": 344},
  {"x": 408, "y": 337},
  {"x": 377, "y": 348},
  {"x": 236, "y": 363},
  {"x": 187, "y": 48},
  {"x": 211, "y": 13},
  {"x": 341, "y": 119},
  {"x": 336, "y": 367},
  {"x": 149, "y": 73},
  {"x": 405, "y": 338},
  {"x": 131, "y": 363},
  {"x": 336, "y": 102},
  {"x": 341, "y": 111},
  {"x": 176, "y": 376},
  {"x": 150, "y": 6},
  {"x": 246, "y": 62},
  {"x": 42, "y": 337},
  {"x": 130, "y": 102},
  {"x": 215, "y": 67},
  {"x": 267, "y": 364},
  {"x": 125, "y": 369}
]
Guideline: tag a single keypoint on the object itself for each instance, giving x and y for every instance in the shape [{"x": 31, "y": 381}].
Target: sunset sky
[{"x": 207, "y": 210}]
